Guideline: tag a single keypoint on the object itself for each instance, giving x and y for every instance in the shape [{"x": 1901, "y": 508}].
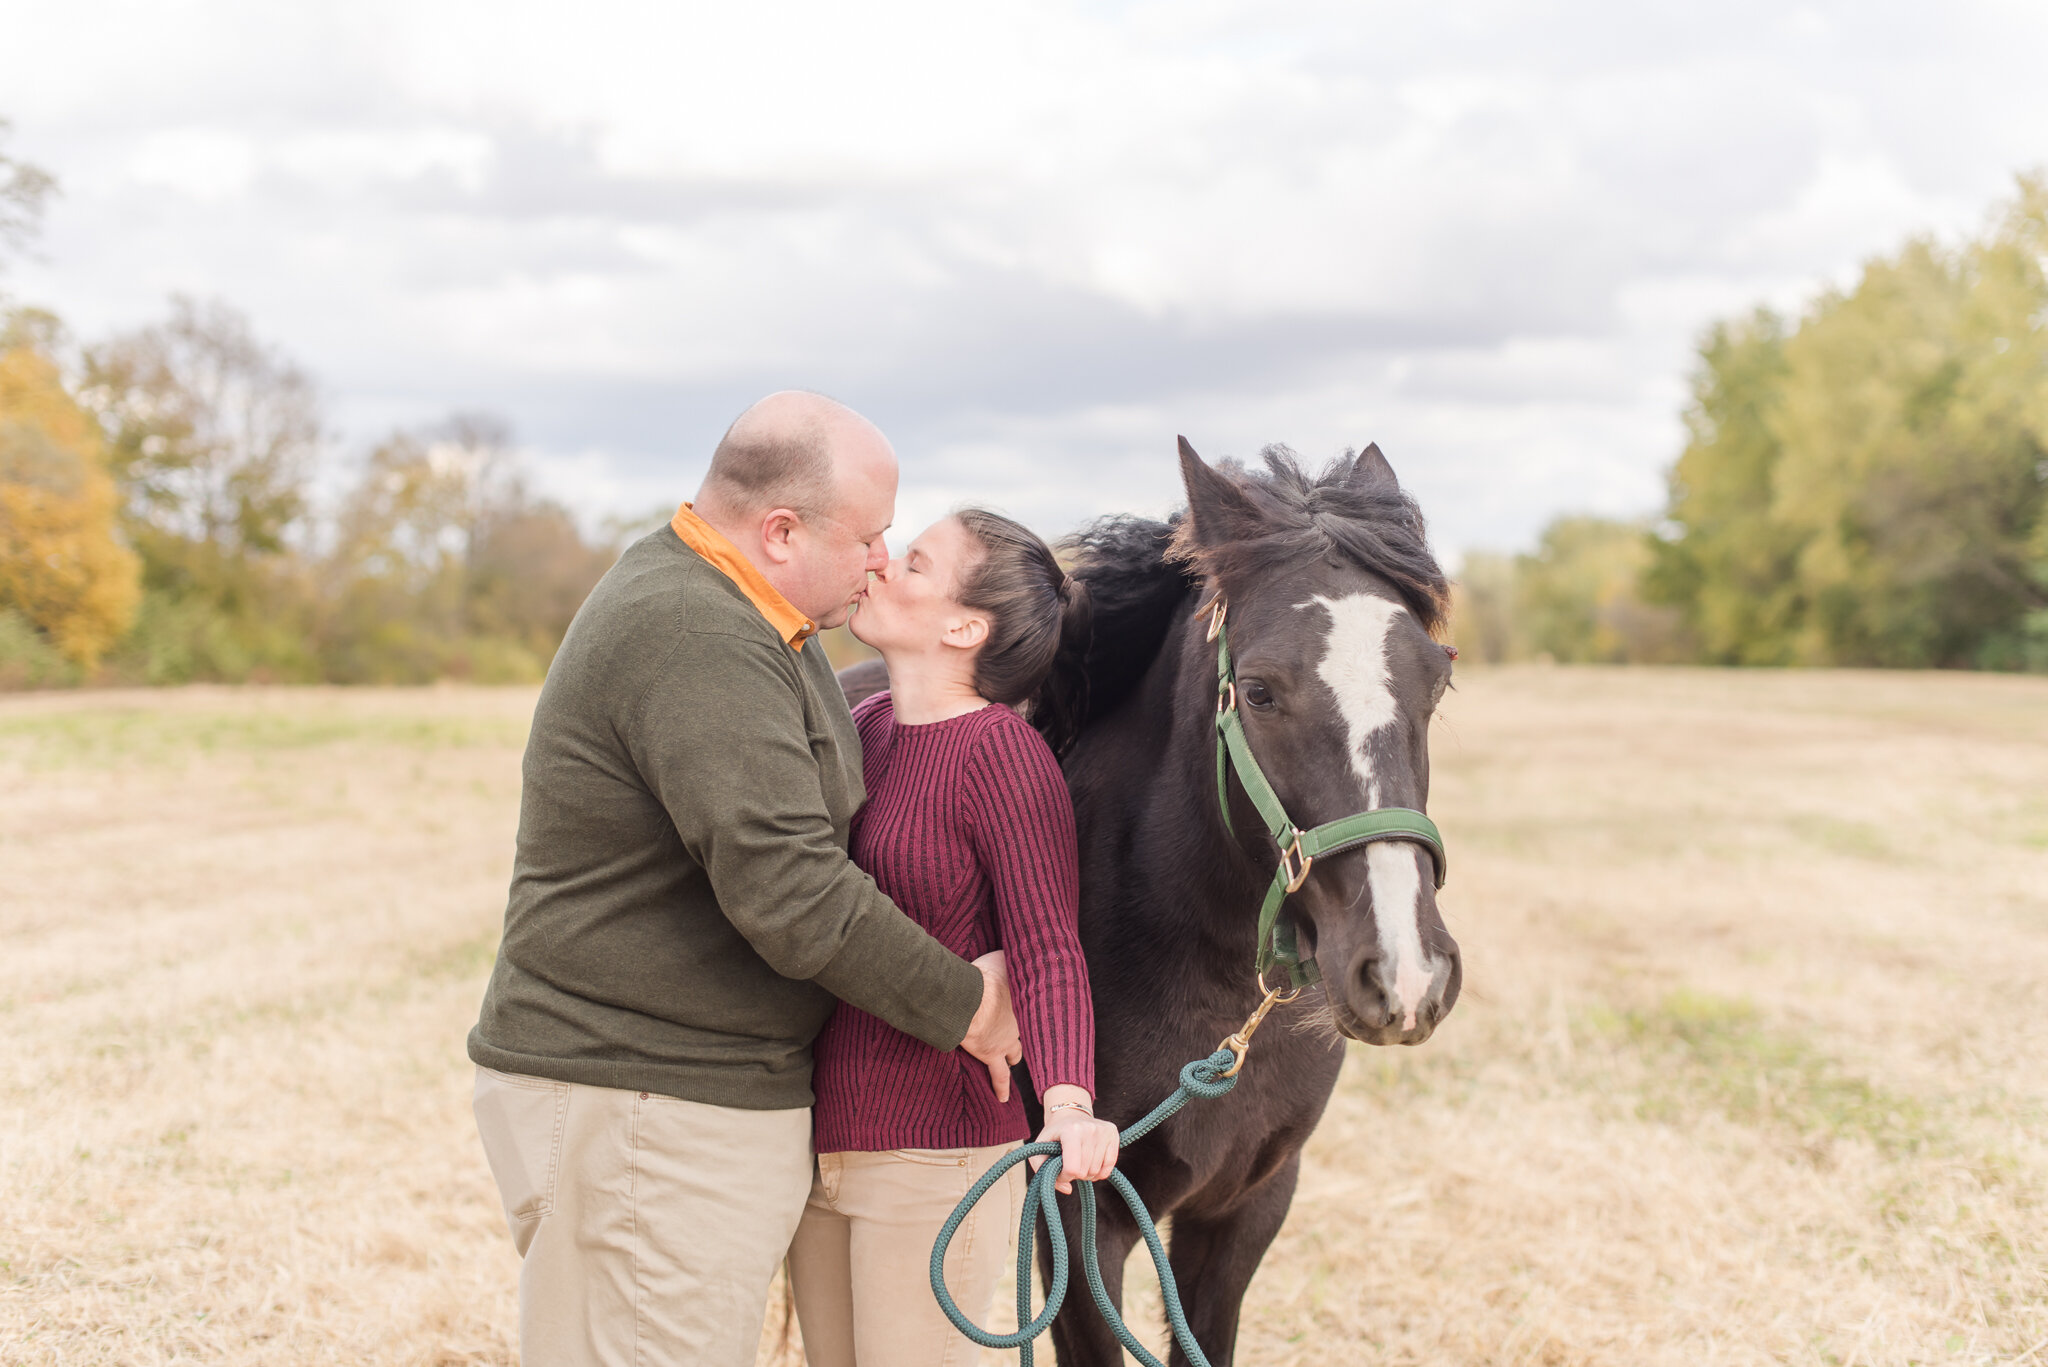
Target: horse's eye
[{"x": 1256, "y": 695}]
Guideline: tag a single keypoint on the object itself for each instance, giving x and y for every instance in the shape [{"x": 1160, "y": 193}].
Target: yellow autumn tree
[{"x": 61, "y": 566}]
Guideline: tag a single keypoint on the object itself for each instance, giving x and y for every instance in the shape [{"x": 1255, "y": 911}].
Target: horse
[{"x": 1332, "y": 600}]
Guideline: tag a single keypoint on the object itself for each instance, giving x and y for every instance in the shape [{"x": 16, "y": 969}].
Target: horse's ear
[
  {"x": 1371, "y": 470},
  {"x": 1218, "y": 511}
]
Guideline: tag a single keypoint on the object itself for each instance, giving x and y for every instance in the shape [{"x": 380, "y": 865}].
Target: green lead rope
[{"x": 1203, "y": 1078}]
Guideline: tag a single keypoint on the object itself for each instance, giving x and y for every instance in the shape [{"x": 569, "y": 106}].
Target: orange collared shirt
[{"x": 707, "y": 541}]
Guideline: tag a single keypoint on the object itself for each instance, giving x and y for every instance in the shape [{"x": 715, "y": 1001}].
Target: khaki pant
[
  {"x": 649, "y": 1227},
  {"x": 860, "y": 1266}
]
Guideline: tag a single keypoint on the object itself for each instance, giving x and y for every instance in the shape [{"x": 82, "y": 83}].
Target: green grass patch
[
  {"x": 1857, "y": 839},
  {"x": 1706, "y": 1052},
  {"x": 113, "y": 738},
  {"x": 469, "y": 958},
  {"x": 2028, "y": 826},
  {"x": 27, "y": 659}
]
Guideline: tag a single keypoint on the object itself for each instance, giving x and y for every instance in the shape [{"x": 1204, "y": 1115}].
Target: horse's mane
[
  {"x": 1133, "y": 590},
  {"x": 1372, "y": 524},
  {"x": 1138, "y": 572}
]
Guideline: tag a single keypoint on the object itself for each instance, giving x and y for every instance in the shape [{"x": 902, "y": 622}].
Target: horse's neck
[{"x": 1205, "y": 890}]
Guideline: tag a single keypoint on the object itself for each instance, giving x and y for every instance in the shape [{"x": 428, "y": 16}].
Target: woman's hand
[{"x": 1088, "y": 1147}]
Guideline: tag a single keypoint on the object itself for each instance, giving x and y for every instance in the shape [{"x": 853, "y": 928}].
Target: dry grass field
[{"x": 1752, "y": 1063}]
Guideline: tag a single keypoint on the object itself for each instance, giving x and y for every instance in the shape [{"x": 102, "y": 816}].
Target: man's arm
[{"x": 721, "y": 739}]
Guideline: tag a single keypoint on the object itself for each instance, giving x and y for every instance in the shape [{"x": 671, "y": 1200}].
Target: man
[{"x": 683, "y": 912}]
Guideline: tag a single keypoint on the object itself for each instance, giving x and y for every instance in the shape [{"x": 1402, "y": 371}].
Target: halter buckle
[
  {"x": 1295, "y": 864},
  {"x": 1217, "y": 610},
  {"x": 1226, "y": 701}
]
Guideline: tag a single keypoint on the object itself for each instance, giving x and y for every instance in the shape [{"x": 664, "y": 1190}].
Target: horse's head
[{"x": 1333, "y": 596}]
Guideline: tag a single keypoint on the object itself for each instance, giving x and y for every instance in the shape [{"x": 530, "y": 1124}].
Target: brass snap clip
[{"x": 1240, "y": 1043}]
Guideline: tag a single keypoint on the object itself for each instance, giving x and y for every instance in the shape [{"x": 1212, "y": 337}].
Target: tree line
[
  {"x": 158, "y": 522},
  {"x": 1863, "y": 484}
]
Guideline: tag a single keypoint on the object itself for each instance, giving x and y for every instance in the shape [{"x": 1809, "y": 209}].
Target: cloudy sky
[{"x": 1033, "y": 241}]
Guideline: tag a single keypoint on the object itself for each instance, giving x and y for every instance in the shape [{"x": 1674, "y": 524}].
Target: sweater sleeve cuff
[{"x": 954, "y": 1011}]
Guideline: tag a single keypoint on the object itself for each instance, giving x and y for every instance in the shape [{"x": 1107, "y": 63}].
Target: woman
[{"x": 968, "y": 827}]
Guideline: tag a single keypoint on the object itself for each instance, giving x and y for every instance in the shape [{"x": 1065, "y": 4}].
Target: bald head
[
  {"x": 805, "y": 488},
  {"x": 795, "y": 450}
]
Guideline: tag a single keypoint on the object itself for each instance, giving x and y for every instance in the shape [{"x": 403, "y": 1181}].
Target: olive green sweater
[{"x": 683, "y": 912}]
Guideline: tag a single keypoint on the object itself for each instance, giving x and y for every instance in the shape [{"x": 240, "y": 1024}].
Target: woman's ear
[{"x": 966, "y": 633}]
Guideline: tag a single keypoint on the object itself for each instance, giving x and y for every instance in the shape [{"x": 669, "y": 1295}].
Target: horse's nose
[{"x": 1402, "y": 1001}]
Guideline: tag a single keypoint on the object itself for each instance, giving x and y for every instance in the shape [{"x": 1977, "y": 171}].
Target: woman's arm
[{"x": 1023, "y": 824}]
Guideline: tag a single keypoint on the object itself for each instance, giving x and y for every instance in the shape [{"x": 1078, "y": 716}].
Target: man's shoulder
[
  {"x": 662, "y": 586},
  {"x": 660, "y": 620}
]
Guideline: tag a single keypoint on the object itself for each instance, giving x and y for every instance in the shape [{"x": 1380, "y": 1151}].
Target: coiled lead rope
[{"x": 1205, "y": 1078}]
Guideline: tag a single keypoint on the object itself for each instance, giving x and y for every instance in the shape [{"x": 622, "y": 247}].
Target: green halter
[{"x": 1299, "y": 849}]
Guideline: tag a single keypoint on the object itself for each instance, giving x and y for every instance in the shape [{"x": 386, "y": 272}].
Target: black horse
[{"x": 1333, "y": 596}]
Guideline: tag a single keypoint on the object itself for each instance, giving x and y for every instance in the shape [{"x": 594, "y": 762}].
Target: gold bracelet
[{"x": 1080, "y": 1106}]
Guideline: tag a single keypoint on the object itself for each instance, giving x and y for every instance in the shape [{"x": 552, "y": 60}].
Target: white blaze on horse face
[
  {"x": 1393, "y": 869},
  {"x": 1354, "y": 668}
]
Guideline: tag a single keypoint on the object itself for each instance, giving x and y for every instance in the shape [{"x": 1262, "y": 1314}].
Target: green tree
[
  {"x": 1484, "y": 615},
  {"x": 1731, "y": 571},
  {"x": 213, "y": 433},
  {"x": 444, "y": 563},
  {"x": 394, "y": 578},
  {"x": 1870, "y": 487},
  {"x": 529, "y": 569},
  {"x": 1913, "y": 412},
  {"x": 213, "y": 436},
  {"x": 1577, "y": 598}
]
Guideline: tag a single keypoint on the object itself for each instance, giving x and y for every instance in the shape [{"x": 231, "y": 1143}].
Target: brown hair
[{"x": 1033, "y": 605}]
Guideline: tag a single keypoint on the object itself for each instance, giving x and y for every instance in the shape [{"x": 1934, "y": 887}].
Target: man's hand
[{"x": 992, "y": 1034}]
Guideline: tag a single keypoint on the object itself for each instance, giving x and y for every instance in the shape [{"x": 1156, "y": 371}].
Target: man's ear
[
  {"x": 777, "y": 527},
  {"x": 966, "y": 633}
]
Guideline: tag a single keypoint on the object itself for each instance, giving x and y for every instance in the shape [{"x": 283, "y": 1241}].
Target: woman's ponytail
[
  {"x": 1061, "y": 698},
  {"x": 1077, "y": 612},
  {"x": 1029, "y": 600}
]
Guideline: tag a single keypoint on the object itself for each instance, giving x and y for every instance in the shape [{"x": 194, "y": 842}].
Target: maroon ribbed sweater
[{"x": 968, "y": 827}]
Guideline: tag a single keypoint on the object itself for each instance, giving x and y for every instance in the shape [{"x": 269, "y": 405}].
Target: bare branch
[{"x": 24, "y": 188}]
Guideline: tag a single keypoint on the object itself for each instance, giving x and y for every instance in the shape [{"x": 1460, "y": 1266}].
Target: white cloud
[
  {"x": 208, "y": 165},
  {"x": 1034, "y": 240}
]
